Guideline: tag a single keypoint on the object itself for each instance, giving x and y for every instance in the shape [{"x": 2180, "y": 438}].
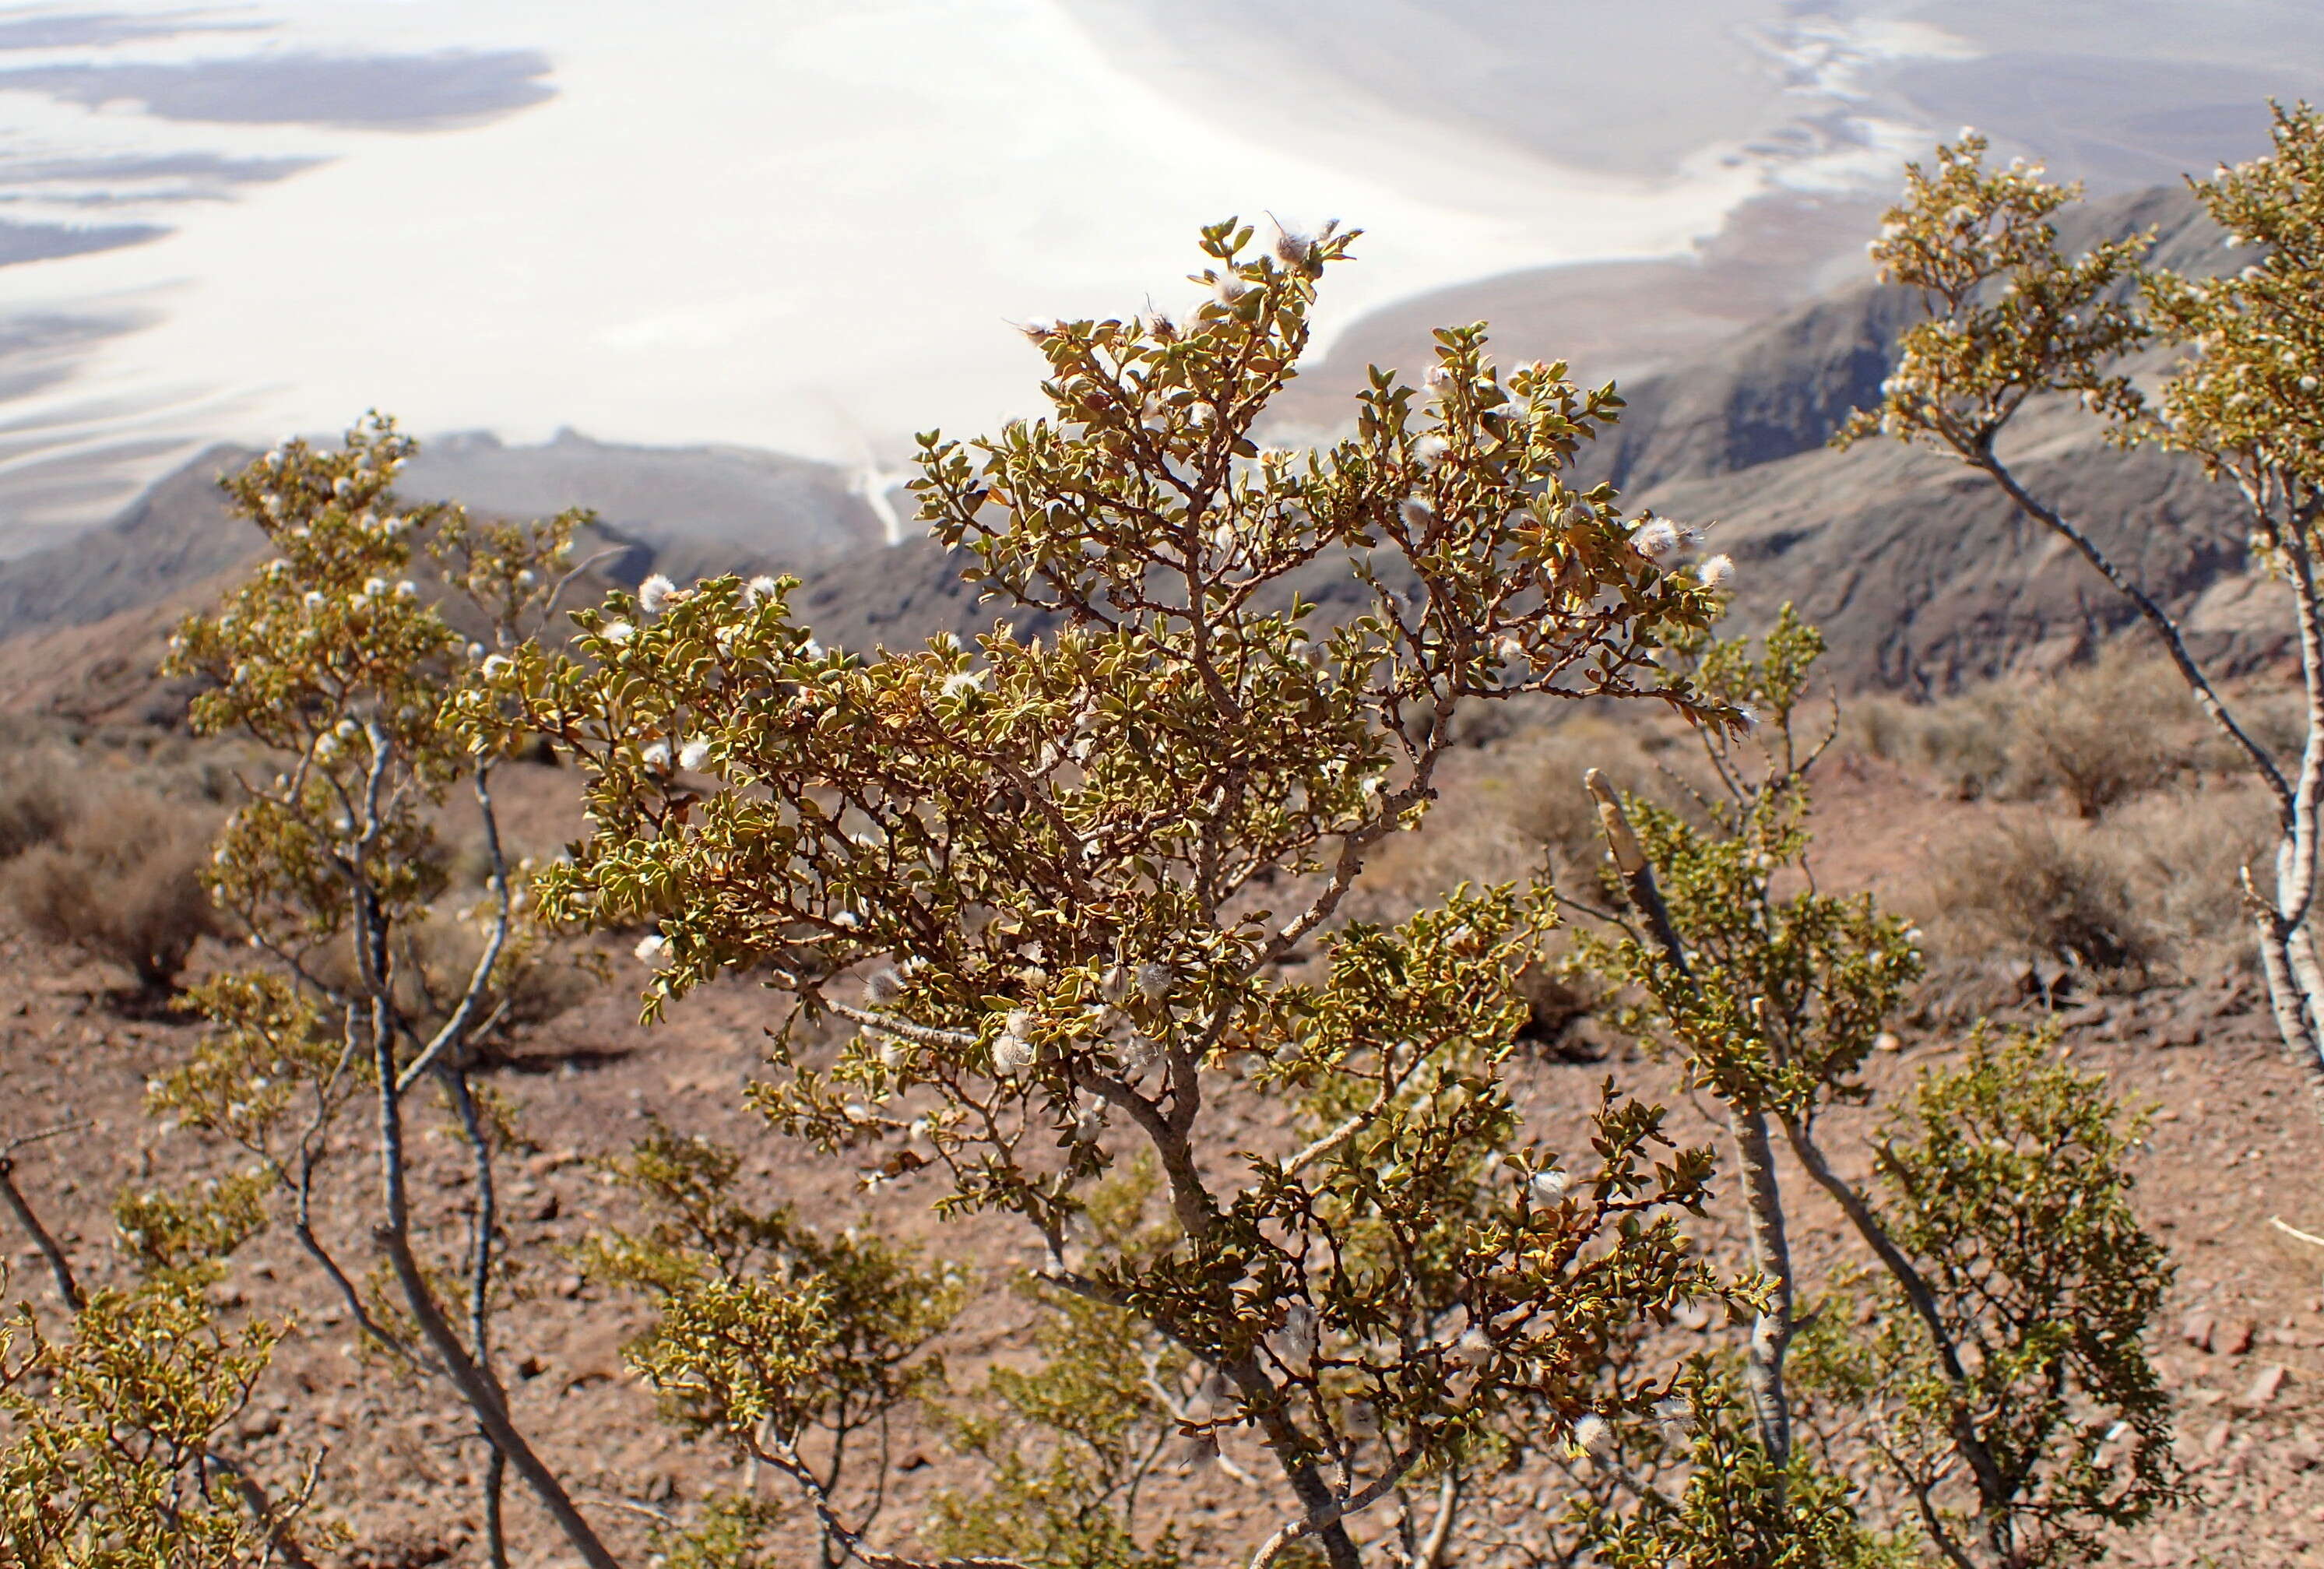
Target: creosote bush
[
  {"x": 114, "y": 1423},
  {"x": 1055, "y": 884},
  {"x": 1770, "y": 994},
  {"x": 330, "y": 661},
  {"x": 1074, "y": 1448},
  {"x": 2005, "y": 1177},
  {"x": 2011, "y": 319},
  {"x": 107, "y": 1432},
  {"x": 770, "y": 1333}
]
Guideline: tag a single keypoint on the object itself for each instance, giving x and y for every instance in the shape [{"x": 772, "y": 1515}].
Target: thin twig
[
  {"x": 2294, "y": 1231},
  {"x": 60, "y": 1266},
  {"x": 1321, "y": 1519}
]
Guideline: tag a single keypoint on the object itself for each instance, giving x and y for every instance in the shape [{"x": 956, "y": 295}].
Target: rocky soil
[{"x": 2235, "y": 1149}]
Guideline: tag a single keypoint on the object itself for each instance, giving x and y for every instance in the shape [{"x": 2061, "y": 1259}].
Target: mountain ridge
[{"x": 1922, "y": 574}]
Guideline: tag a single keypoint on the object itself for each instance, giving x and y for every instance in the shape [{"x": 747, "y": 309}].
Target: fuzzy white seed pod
[
  {"x": 1549, "y": 1186},
  {"x": 1155, "y": 980},
  {"x": 1018, "y": 1022},
  {"x": 313, "y": 599},
  {"x": 1716, "y": 570},
  {"x": 693, "y": 756},
  {"x": 1012, "y": 1056},
  {"x": 654, "y": 593},
  {"x": 1474, "y": 1349},
  {"x": 847, "y": 920},
  {"x": 407, "y": 589},
  {"x": 1201, "y": 1453},
  {"x": 620, "y": 632},
  {"x": 1438, "y": 378},
  {"x": 1299, "y": 1333},
  {"x": 959, "y": 683},
  {"x": 1089, "y": 1125},
  {"x": 1430, "y": 450},
  {"x": 1114, "y": 984},
  {"x": 1041, "y": 327},
  {"x": 757, "y": 591},
  {"x": 653, "y": 949},
  {"x": 1658, "y": 541},
  {"x": 1594, "y": 1437},
  {"x": 1362, "y": 1420},
  {"x": 883, "y": 988},
  {"x": 656, "y": 756},
  {"x": 496, "y": 665},
  {"x": 1415, "y": 512}
]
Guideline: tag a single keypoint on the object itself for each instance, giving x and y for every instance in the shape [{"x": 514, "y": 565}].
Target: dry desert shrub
[
  {"x": 2104, "y": 733},
  {"x": 2094, "y": 737},
  {"x": 1962, "y": 742},
  {"x": 35, "y": 805},
  {"x": 435, "y": 955},
  {"x": 441, "y": 953},
  {"x": 2181, "y": 850},
  {"x": 1517, "y": 810},
  {"x": 2042, "y": 891},
  {"x": 2154, "y": 885},
  {"x": 121, "y": 882}
]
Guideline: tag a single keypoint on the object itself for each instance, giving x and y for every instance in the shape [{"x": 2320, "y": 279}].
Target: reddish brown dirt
[{"x": 2234, "y": 1147}]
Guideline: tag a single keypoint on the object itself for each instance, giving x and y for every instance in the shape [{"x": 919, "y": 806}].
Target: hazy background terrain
[{"x": 802, "y": 227}]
